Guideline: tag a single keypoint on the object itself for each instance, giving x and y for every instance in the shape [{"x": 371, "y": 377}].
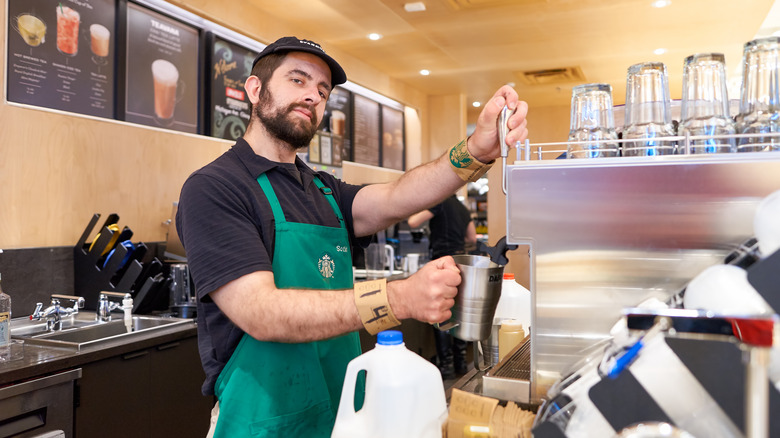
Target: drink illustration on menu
[
  {"x": 61, "y": 71},
  {"x": 99, "y": 43},
  {"x": 166, "y": 77},
  {"x": 67, "y": 30},
  {"x": 31, "y": 28}
]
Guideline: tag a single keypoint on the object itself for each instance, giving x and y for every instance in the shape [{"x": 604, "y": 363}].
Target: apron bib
[{"x": 292, "y": 390}]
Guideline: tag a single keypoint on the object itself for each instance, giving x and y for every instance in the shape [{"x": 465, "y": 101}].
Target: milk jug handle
[{"x": 347, "y": 405}]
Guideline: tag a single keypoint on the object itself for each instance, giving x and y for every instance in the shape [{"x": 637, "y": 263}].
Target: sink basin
[
  {"x": 21, "y": 328},
  {"x": 82, "y": 330}
]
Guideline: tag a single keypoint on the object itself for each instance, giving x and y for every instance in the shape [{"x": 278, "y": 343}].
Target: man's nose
[{"x": 313, "y": 95}]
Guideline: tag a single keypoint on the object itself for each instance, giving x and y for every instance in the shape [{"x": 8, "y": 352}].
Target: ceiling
[{"x": 472, "y": 47}]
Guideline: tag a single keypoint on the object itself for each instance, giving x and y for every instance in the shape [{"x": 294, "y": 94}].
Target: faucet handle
[
  {"x": 116, "y": 295},
  {"x": 37, "y": 312},
  {"x": 78, "y": 302}
]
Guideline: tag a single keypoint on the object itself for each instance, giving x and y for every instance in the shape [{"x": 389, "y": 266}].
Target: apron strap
[
  {"x": 329, "y": 196},
  {"x": 276, "y": 208}
]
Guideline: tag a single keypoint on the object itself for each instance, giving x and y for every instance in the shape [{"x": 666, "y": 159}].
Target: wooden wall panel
[{"x": 57, "y": 170}]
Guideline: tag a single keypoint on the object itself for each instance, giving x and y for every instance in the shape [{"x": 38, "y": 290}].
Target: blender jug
[{"x": 182, "y": 301}]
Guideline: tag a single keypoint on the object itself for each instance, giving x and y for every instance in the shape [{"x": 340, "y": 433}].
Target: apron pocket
[{"x": 315, "y": 421}]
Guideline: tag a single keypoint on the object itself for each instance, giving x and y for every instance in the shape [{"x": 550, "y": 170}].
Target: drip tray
[{"x": 510, "y": 379}]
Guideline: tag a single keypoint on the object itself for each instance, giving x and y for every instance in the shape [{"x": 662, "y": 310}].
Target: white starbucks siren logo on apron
[{"x": 326, "y": 265}]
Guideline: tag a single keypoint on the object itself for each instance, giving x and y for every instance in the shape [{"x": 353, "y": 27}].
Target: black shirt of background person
[{"x": 448, "y": 227}]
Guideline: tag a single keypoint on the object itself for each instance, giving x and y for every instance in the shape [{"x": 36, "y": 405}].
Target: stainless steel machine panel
[{"x": 607, "y": 234}]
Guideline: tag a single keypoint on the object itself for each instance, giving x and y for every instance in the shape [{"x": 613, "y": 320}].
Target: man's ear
[{"x": 252, "y": 87}]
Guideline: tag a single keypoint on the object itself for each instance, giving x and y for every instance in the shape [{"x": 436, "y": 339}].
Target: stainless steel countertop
[{"x": 41, "y": 360}]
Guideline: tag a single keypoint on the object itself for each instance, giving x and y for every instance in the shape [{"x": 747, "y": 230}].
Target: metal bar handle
[{"x": 502, "y": 131}]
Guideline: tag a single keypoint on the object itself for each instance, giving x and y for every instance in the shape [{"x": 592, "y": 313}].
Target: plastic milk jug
[
  {"x": 404, "y": 394},
  {"x": 515, "y": 303}
]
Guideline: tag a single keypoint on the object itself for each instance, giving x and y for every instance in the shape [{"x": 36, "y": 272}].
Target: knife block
[{"x": 91, "y": 274}]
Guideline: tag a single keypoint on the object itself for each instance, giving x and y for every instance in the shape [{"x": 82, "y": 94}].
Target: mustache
[{"x": 309, "y": 108}]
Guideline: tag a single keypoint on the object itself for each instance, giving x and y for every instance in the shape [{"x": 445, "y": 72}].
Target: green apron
[{"x": 292, "y": 390}]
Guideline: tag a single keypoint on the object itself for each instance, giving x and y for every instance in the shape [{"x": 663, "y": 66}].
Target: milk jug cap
[
  {"x": 509, "y": 276},
  {"x": 390, "y": 337}
]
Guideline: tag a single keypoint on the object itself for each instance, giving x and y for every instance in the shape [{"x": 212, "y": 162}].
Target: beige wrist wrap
[{"x": 373, "y": 306}]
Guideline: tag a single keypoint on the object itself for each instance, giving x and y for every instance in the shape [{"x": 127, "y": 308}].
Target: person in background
[
  {"x": 268, "y": 244},
  {"x": 451, "y": 228}
]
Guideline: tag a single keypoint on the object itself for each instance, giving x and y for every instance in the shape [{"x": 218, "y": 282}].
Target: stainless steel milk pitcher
[{"x": 478, "y": 294}]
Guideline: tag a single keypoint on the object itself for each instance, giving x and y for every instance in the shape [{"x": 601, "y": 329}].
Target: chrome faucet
[
  {"x": 55, "y": 311},
  {"x": 105, "y": 306}
]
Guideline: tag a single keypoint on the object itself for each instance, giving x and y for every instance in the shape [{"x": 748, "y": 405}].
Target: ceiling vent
[{"x": 551, "y": 76}]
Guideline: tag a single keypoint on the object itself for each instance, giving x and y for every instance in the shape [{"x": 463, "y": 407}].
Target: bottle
[
  {"x": 5, "y": 326},
  {"x": 510, "y": 334},
  {"x": 404, "y": 394}
]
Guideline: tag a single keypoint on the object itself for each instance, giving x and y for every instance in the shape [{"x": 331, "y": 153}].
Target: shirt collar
[{"x": 257, "y": 164}]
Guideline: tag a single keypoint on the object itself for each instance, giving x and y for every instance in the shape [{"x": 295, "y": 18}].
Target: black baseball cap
[{"x": 293, "y": 44}]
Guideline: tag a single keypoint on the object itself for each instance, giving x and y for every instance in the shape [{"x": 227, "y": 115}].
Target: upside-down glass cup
[
  {"x": 705, "y": 104},
  {"x": 759, "y": 107},
  {"x": 648, "y": 111},
  {"x": 592, "y": 122}
]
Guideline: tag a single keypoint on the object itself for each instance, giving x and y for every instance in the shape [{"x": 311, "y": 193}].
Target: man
[
  {"x": 268, "y": 244},
  {"x": 451, "y": 229}
]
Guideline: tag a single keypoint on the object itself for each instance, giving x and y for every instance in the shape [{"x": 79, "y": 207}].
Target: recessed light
[
  {"x": 374, "y": 36},
  {"x": 414, "y": 7},
  {"x": 476, "y": 104},
  {"x": 425, "y": 72},
  {"x": 661, "y": 3},
  {"x": 659, "y": 51}
]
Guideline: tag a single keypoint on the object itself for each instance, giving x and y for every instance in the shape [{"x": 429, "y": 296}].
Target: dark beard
[{"x": 295, "y": 134}]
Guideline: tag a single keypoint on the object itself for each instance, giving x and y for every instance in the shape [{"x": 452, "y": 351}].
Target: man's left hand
[{"x": 483, "y": 143}]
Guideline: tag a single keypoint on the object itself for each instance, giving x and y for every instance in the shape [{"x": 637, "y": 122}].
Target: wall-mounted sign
[
  {"x": 337, "y": 146},
  {"x": 314, "y": 149},
  {"x": 230, "y": 108},
  {"x": 61, "y": 54},
  {"x": 338, "y": 121},
  {"x": 161, "y": 83},
  {"x": 366, "y": 140},
  {"x": 326, "y": 150},
  {"x": 392, "y": 138}
]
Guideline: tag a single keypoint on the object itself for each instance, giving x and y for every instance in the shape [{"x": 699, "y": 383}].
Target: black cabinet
[{"x": 154, "y": 392}]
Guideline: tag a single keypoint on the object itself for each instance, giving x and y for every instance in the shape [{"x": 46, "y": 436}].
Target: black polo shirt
[{"x": 227, "y": 228}]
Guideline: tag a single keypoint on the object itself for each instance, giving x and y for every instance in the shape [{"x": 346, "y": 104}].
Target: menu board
[
  {"x": 161, "y": 86},
  {"x": 230, "y": 108},
  {"x": 366, "y": 131},
  {"x": 392, "y": 138},
  {"x": 337, "y": 146},
  {"x": 338, "y": 116},
  {"x": 61, "y": 54}
]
